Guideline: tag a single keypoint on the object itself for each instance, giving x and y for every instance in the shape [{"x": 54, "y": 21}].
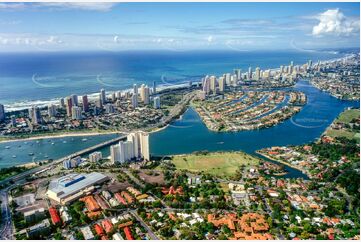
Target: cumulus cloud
[
  {"x": 333, "y": 21},
  {"x": 210, "y": 38},
  {"x": 116, "y": 39}
]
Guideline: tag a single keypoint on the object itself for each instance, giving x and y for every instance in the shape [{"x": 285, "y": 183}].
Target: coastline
[{"x": 60, "y": 135}]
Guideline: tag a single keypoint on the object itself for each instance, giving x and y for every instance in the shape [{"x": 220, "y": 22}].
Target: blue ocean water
[{"x": 27, "y": 78}]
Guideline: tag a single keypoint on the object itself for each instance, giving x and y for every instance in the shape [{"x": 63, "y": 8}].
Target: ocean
[{"x": 39, "y": 78}]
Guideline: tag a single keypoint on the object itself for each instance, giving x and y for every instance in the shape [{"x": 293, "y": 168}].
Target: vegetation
[
  {"x": 11, "y": 171},
  {"x": 219, "y": 164}
]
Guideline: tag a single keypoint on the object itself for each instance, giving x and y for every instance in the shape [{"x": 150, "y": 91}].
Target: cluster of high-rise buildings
[
  {"x": 212, "y": 84},
  {"x": 135, "y": 147}
]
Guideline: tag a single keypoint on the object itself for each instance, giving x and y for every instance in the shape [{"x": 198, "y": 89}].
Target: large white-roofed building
[{"x": 73, "y": 186}]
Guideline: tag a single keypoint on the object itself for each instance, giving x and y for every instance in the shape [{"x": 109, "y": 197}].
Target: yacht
[
  {"x": 31, "y": 153},
  {"x": 7, "y": 147},
  {"x": 14, "y": 156},
  {"x": 84, "y": 139}
]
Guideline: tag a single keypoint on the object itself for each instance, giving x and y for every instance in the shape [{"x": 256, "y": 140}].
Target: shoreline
[
  {"x": 23, "y": 105},
  {"x": 55, "y": 136},
  {"x": 285, "y": 163}
]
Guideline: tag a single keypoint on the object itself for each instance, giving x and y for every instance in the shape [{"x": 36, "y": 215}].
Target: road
[
  {"x": 140, "y": 220},
  {"x": 6, "y": 228}
]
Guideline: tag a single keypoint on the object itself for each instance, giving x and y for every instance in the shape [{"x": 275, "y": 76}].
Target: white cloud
[
  {"x": 12, "y": 6},
  {"x": 116, "y": 39},
  {"x": 210, "y": 38},
  {"x": 91, "y": 6},
  {"x": 95, "y": 6},
  {"x": 333, "y": 21}
]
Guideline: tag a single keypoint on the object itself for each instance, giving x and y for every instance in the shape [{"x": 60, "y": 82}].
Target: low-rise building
[{"x": 87, "y": 233}]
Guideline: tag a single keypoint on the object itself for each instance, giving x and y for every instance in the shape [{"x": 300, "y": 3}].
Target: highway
[{"x": 6, "y": 229}]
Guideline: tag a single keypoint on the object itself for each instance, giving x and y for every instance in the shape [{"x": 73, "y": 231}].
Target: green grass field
[
  {"x": 348, "y": 115},
  {"x": 345, "y": 117},
  {"x": 343, "y": 133},
  {"x": 219, "y": 164}
]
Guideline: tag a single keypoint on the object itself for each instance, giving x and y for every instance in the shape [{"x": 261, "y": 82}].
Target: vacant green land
[
  {"x": 219, "y": 164},
  {"x": 343, "y": 133},
  {"x": 348, "y": 115}
]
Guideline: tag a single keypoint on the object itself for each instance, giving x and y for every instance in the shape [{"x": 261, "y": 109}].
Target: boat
[
  {"x": 52, "y": 143},
  {"x": 64, "y": 141},
  {"x": 7, "y": 147},
  {"x": 37, "y": 142},
  {"x": 84, "y": 139},
  {"x": 31, "y": 153},
  {"x": 220, "y": 143},
  {"x": 14, "y": 156},
  {"x": 46, "y": 156}
]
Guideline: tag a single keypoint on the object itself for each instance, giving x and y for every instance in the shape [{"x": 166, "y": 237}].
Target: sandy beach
[{"x": 50, "y": 136}]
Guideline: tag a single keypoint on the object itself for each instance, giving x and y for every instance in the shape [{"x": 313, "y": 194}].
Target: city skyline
[{"x": 177, "y": 26}]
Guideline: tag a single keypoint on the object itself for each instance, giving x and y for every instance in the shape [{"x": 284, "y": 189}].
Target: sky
[{"x": 178, "y": 26}]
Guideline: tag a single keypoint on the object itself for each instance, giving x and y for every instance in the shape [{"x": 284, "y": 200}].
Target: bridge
[
  {"x": 95, "y": 147},
  {"x": 27, "y": 173}
]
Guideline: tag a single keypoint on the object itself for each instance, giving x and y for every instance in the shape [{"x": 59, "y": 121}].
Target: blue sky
[{"x": 178, "y": 26}]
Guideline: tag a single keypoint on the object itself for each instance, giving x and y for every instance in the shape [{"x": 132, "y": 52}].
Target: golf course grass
[{"x": 219, "y": 163}]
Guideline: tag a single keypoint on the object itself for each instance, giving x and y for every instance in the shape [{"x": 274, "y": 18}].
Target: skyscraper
[
  {"x": 114, "y": 154},
  {"x": 62, "y": 102},
  {"x": 135, "y": 100},
  {"x": 249, "y": 76},
  {"x": 99, "y": 102},
  {"x": 206, "y": 85},
  {"x": 69, "y": 105},
  {"x": 34, "y": 115},
  {"x": 228, "y": 78},
  {"x": 135, "y": 89},
  {"x": 76, "y": 113},
  {"x": 221, "y": 83},
  {"x": 102, "y": 96},
  {"x": 156, "y": 102},
  {"x": 136, "y": 146},
  {"x": 144, "y": 145},
  {"x": 154, "y": 87},
  {"x": 74, "y": 99},
  {"x": 144, "y": 94},
  {"x": 213, "y": 83},
  {"x": 290, "y": 68},
  {"x": 134, "y": 138},
  {"x": 85, "y": 103},
  {"x": 238, "y": 73},
  {"x": 257, "y": 75},
  {"x": 2, "y": 113},
  {"x": 51, "y": 110},
  {"x": 109, "y": 108}
]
